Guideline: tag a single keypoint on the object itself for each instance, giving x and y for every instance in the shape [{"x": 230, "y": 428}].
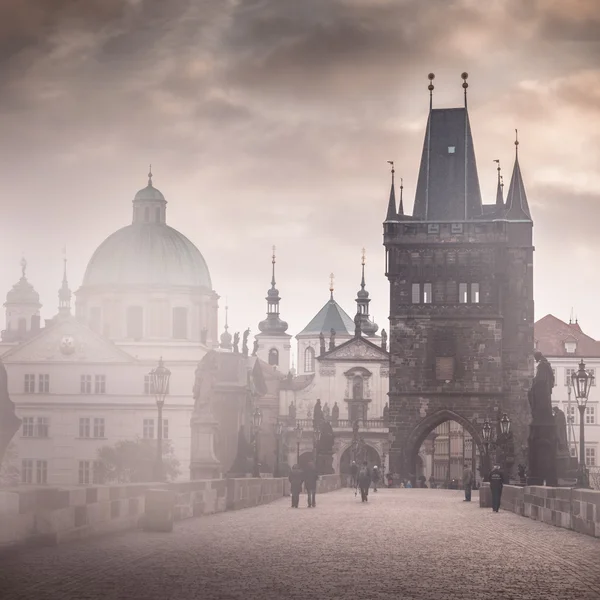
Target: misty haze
[{"x": 299, "y": 299}]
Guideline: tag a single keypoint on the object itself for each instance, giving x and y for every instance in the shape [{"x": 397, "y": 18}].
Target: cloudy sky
[{"x": 271, "y": 121}]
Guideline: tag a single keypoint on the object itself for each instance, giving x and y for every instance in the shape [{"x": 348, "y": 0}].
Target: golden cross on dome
[{"x": 364, "y": 257}]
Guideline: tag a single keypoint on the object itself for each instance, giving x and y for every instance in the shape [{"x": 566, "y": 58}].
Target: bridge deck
[{"x": 424, "y": 544}]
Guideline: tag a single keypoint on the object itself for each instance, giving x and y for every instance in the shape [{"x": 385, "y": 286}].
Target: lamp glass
[
  {"x": 505, "y": 424},
  {"x": 487, "y": 431},
  {"x": 257, "y": 418},
  {"x": 159, "y": 376}
]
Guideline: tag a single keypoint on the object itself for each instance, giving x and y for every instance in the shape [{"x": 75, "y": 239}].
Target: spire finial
[
  {"x": 465, "y": 85},
  {"x": 362, "y": 262},
  {"x": 516, "y": 143},
  {"x": 391, "y": 162},
  {"x": 331, "y": 279},
  {"x": 499, "y": 187},
  {"x": 150, "y": 176},
  {"x": 401, "y": 203},
  {"x": 430, "y": 87},
  {"x": 273, "y": 275}
]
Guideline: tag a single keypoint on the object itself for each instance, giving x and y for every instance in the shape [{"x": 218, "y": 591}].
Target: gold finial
[
  {"x": 273, "y": 254},
  {"x": 364, "y": 257},
  {"x": 516, "y": 141},
  {"x": 465, "y": 85},
  {"x": 431, "y": 77},
  {"x": 150, "y": 176},
  {"x": 331, "y": 279},
  {"x": 23, "y": 266}
]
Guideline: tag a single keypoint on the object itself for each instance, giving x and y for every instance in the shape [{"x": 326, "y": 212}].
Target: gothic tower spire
[
  {"x": 273, "y": 325},
  {"x": 499, "y": 188},
  {"x": 517, "y": 207},
  {"x": 392, "y": 215},
  {"x": 64, "y": 293}
]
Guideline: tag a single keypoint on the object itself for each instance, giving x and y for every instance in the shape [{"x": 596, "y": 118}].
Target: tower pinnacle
[
  {"x": 64, "y": 293},
  {"x": 367, "y": 327},
  {"x": 273, "y": 325},
  {"x": 392, "y": 215}
]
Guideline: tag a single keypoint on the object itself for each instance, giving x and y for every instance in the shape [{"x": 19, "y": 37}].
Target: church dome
[
  {"x": 147, "y": 254},
  {"x": 22, "y": 293}
]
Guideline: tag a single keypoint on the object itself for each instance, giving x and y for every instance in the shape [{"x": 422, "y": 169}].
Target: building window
[
  {"x": 86, "y": 384},
  {"x": 416, "y": 293},
  {"x": 41, "y": 472},
  {"x": 475, "y": 293},
  {"x": 148, "y": 431},
  {"x": 463, "y": 294},
  {"x": 85, "y": 469},
  {"x": 570, "y": 347},
  {"x": 99, "y": 428},
  {"x": 97, "y": 473},
  {"x": 568, "y": 373},
  {"x": 309, "y": 360},
  {"x": 180, "y": 323},
  {"x": 157, "y": 214},
  {"x": 42, "y": 427},
  {"x": 590, "y": 415},
  {"x": 84, "y": 427},
  {"x": 28, "y": 427},
  {"x": 43, "y": 384},
  {"x": 274, "y": 357},
  {"x": 100, "y": 384},
  {"x": 451, "y": 149},
  {"x": 135, "y": 322},
  {"x": 26, "y": 470},
  {"x": 358, "y": 388},
  {"x": 427, "y": 293},
  {"x": 590, "y": 457},
  {"x": 573, "y": 452},
  {"x": 571, "y": 414},
  {"x": 592, "y": 372},
  {"x": 29, "y": 387}
]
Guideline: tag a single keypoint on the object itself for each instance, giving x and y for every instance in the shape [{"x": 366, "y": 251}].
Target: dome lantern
[{"x": 149, "y": 205}]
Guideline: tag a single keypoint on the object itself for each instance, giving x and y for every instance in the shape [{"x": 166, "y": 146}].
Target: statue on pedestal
[
  {"x": 292, "y": 411},
  {"x": 386, "y": 412},
  {"x": 335, "y": 413},
  {"x": 245, "y": 342},
  {"x": 542, "y": 431},
  {"x": 384, "y": 340},
  {"x": 332, "y": 339},
  {"x": 326, "y": 411},
  {"x": 317, "y": 415},
  {"x": 321, "y": 344},
  {"x": 236, "y": 342},
  {"x": 255, "y": 348},
  {"x": 563, "y": 455}
]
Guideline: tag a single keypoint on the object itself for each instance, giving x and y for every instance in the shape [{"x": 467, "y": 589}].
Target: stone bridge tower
[{"x": 461, "y": 297}]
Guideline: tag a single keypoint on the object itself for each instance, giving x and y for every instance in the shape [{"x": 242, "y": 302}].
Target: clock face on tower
[{"x": 67, "y": 344}]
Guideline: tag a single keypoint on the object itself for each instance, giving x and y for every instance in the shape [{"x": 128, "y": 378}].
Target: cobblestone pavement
[{"x": 424, "y": 544}]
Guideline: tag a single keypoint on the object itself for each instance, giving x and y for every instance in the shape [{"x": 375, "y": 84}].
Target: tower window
[
  {"x": 451, "y": 149},
  {"x": 157, "y": 215},
  {"x": 427, "y": 293},
  {"x": 147, "y": 214},
  {"x": 463, "y": 295},
  {"x": 309, "y": 360},
  {"x": 416, "y": 293},
  {"x": 274, "y": 357},
  {"x": 180, "y": 326},
  {"x": 135, "y": 322},
  {"x": 475, "y": 293}
]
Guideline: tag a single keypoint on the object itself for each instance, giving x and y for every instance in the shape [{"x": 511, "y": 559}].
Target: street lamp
[
  {"x": 257, "y": 422},
  {"x": 159, "y": 381},
  {"x": 278, "y": 433},
  {"x": 298, "y": 431},
  {"x": 486, "y": 434},
  {"x": 582, "y": 381},
  {"x": 505, "y": 424}
]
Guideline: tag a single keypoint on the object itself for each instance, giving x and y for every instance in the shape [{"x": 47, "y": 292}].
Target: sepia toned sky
[{"x": 271, "y": 121}]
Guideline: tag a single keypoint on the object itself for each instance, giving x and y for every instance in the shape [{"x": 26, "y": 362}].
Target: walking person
[
  {"x": 375, "y": 477},
  {"x": 296, "y": 479},
  {"x": 353, "y": 474},
  {"x": 467, "y": 482},
  {"x": 310, "y": 483},
  {"x": 496, "y": 485},
  {"x": 364, "y": 481}
]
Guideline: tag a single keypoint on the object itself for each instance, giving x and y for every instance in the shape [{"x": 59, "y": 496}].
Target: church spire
[
  {"x": 367, "y": 327},
  {"x": 273, "y": 325},
  {"x": 392, "y": 215},
  {"x": 226, "y": 336},
  {"x": 401, "y": 203},
  {"x": 517, "y": 207},
  {"x": 499, "y": 188},
  {"x": 64, "y": 293}
]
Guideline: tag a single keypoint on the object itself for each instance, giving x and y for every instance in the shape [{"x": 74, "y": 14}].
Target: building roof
[
  {"x": 331, "y": 316},
  {"x": 448, "y": 184},
  {"x": 550, "y": 334},
  {"x": 517, "y": 206}
]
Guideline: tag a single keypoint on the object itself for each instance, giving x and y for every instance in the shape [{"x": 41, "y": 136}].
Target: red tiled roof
[{"x": 551, "y": 333}]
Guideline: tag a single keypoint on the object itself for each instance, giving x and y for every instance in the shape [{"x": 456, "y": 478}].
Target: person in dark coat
[
  {"x": 310, "y": 483},
  {"x": 364, "y": 481},
  {"x": 467, "y": 482},
  {"x": 296, "y": 479},
  {"x": 496, "y": 485}
]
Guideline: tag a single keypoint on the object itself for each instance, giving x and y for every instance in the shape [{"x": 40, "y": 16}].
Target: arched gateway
[{"x": 461, "y": 296}]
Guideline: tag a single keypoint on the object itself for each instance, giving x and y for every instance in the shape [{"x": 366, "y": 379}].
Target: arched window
[
  {"x": 357, "y": 387},
  {"x": 147, "y": 214},
  {"x": 135, "y": 322},
  {"x": 309, "y": 360},
  {"x": 157, "y": 213},
  {"x": 180, "y": 323},
  {"x": 274, "y": 357}
]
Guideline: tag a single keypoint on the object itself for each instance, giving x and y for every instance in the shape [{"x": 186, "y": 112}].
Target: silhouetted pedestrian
[
  {"x": 375, "y": 477},
  {"x": 353, "y": 474},
  {"x": 364, "y": 481},
  {"x": 296, "y": 479},
  {"x": 496, "y": 485},
  {"x": 310, "y": 483},
  {"x": 467, "y": 482}
]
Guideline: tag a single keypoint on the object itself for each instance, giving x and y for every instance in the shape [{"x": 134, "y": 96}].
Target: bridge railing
[{"x": 307, "y": 424}]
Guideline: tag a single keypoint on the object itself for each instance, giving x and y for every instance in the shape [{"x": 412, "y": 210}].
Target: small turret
[
  {"x": 367, "y": 327},
  {"x": 64, "y": 293}
]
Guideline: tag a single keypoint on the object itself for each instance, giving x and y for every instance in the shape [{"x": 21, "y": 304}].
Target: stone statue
[
  {"x": 244, "y": 455},
  {"x": 326, "y": 411},
  {"x": 384, "y": 340},
  {"x": 9, "y": 422},
  {"x": 255, "y": 348},
  {"x": 386, "y": 412},
  {"x": 321, "y": 344},
  {"x": 236, "y": 342},
  {"x": 317, "y": 414},
  {"x": 292, "y": 411},
  {"x": 335, "y": 413},
  {"x": 332, "y": 339},
  {"x": 540, "y": 394},
  {"x": 245, "y": 342},
  {"x": 357, "y": 325},
  {"x": 561, "y": 429},
  {"x": 205, "y": 379}
]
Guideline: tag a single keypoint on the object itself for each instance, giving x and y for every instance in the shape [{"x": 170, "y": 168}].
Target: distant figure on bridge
[
  {"x": 335, "y": 413},
  {"x": 467, "y": 482},
  {"x": 310, "y": 483},
  {"x": 364, "y": 481},
  {"x": 353, "y": 474},
  {"x": 375, "y": 476},
  {"x": 296, "y": 479},
  {"x": 496, "y": 485}
]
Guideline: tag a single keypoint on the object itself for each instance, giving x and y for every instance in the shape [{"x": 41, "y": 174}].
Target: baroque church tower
[{"x": 461, "y": 297}]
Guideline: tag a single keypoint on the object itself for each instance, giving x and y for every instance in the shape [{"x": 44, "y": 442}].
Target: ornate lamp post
[
  {"x": 257, "y": 422},
  {"x": 582, "y": 381},
  {"x": 486, "y": 434},
  {"x": 317, "y": 437},
  {"x": 278, "y": 433},
  {"x": 298, "y": 431},
  {"x": 159, "y": 380},
  {"x": 505, "y": 424}
]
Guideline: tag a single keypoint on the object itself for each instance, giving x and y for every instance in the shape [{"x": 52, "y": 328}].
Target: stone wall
[
  {"x": 49, "y": 516},
  {"x": 575, "y": 509}
]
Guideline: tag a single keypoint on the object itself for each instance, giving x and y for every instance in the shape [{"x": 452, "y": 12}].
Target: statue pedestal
[
  {"x": 325, "y": 463},
  {"x": 542, "y": 454},
  {"x": 203, "y": 461}
]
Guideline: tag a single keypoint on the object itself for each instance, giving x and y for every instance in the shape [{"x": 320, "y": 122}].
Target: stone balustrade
[
  {"x": 49, "y": 516},
  {"x": 575, "y": 509}
]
